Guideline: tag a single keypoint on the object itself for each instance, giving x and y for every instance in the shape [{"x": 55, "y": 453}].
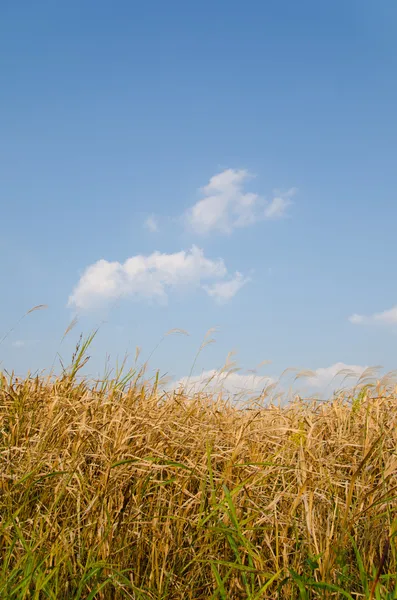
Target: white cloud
[
  {"x": 323, "y": 382},
  {"x": 147, "y": 277},
  {"x": 19, "y": 343},
  {"x": 325, "y": 376},
  {"x": 151, "y": 224},
  {"x": 227, "y": 206},
  {"x": 222, "y": 291},
  {"x": 388, "y": 317},
  {"x": 230, "y": 382},
  {"x": 277, "y": 208},
  {"x": 23, "y": 343},
  {"x": 357, "y": 319}
]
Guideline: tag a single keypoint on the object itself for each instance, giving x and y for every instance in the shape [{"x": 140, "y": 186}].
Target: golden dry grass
[{"x": 115, "y": 490}]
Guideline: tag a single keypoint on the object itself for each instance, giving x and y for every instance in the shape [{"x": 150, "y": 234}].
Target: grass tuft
[{"x": 116, "y": 489}]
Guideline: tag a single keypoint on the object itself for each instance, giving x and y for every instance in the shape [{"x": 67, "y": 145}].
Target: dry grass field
[{"x": 116, "y": 489}]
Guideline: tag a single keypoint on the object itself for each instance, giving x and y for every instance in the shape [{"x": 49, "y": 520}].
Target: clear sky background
[{"x": 251, "y": 145}]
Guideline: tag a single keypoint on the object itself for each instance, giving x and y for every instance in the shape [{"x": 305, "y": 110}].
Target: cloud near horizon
[
  {"x": 387, "y": 317},
  {"x": 227, "y": 206},
  {"x": 151, "y": 224},
  {"x": 23, "y": 343},
  {"x": 152, "y": 277},
  {"x": 325, "y": 376},
  {"x": 321, "y": 380},
  {"x": 219, "y": 380}
]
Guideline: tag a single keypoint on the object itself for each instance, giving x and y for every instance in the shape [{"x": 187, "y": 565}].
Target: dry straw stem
[
  {"x": 116, "y": 490},
  {"x": 31, "y": 310}
]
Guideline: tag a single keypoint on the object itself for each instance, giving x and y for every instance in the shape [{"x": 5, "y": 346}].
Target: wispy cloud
[
  {"x": 387, "y": 317},
  {"x": 223, "y": 291},
  {"x": 277, "y": 208},
  {"x": 19, "y": 343},
  {"x": 151, "y": 277},
  {"x": 151, "y": 224},
  {"x": 23, "y": 343},
  {"x": 226, "y": 204},
  {"x": 356, "y": 319}
]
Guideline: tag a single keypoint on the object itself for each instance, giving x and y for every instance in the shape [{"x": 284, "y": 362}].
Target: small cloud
[
  {"x": 277, "y": 208},
  {"x": 19, "y": 343},
  {"x": 151, "y": 224},
  {"x": 150, "y": 277},
  {"x": 223, "y": 291},
  {"x": 227, "y": 206},
  {"x": 357, "y": 319},
  {"x": 388, "y": 317},
  {"x": 23, "y": 343}
]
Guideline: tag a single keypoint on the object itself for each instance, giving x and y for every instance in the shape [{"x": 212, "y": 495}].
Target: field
[{"x": 116, "y": 489}]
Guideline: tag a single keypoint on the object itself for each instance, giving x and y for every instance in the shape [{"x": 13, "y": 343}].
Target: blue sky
[{"x": 252, "y": 146}]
